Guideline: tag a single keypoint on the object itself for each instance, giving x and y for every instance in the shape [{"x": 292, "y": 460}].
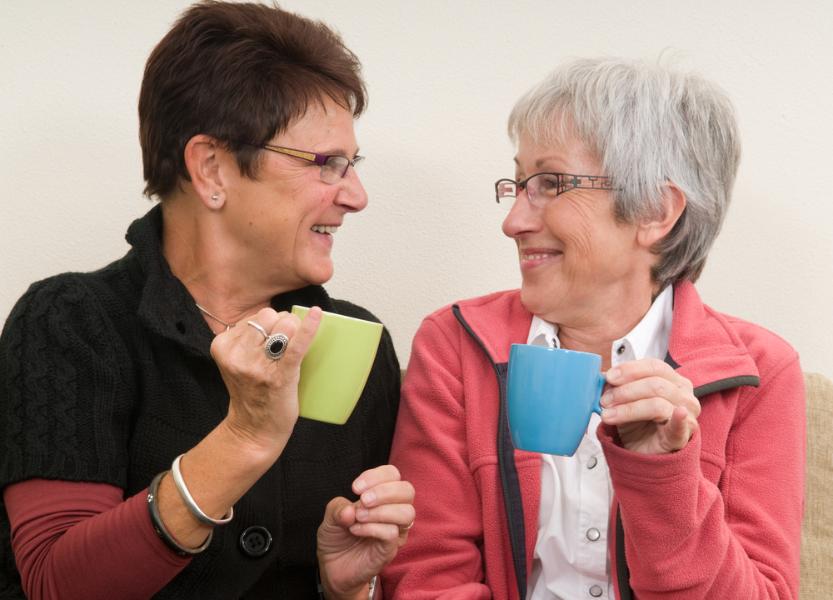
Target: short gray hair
[{"x": 648, "y": 125}]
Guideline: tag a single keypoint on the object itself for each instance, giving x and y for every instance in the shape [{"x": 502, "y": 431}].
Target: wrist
[
  {"x": 256, "y": 447},
  {"x": 360, "y": 593}
]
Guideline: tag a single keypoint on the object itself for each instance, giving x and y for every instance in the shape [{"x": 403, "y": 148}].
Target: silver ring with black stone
[{"x": 275, "y": 346}]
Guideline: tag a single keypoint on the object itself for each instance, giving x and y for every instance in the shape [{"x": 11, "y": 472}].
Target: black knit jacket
[{"x": 106, "y": 377}]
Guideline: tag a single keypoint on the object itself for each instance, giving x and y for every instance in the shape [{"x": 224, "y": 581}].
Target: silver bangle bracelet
[{"x": 188, "y": 499}]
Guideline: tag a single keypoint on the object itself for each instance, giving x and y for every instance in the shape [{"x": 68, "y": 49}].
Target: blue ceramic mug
[{"x": 551, "y": 394}]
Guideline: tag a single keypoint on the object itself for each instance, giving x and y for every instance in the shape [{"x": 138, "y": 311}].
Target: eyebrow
[
  {"x": 540, "y": 162},
  {"x": 339, "y": 152}
]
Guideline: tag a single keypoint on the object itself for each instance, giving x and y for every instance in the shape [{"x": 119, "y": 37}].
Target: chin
[
  {"x": 544, "y": 302},
  {"x": 533, "y": 300},
  {"x": 319, "y": 275}
]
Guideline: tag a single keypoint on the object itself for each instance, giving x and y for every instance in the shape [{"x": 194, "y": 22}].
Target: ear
[
  {"x": 673, "y": 202},
  {"x": 203, "y": 161}
]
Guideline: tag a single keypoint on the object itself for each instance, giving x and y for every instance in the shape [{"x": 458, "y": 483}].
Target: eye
[
  {"x": 336, "y": 163},
  {"x": 548, "y": 183}
]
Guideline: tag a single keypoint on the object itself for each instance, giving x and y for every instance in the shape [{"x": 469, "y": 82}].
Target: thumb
[
  {"x": 302, "y": 339},
  {"x": 679, "y": 429}
]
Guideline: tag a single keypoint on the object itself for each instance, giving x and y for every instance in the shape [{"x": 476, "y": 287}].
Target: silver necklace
[{"x": 216, "y": 318}]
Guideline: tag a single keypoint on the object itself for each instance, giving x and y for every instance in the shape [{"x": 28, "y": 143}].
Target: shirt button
[
  {"x": 255, "y": 541},
  {"x": 593, "y": 534},
  {"x": 595, "y": 590},
  {"x": 592, "y": 462},
  {"x": 621, "y": 349}
]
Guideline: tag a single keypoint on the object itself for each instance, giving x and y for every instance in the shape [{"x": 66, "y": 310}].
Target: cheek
[{"x": 576, "y": 228}]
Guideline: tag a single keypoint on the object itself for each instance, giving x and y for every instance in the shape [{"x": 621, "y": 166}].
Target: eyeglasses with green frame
[
  {"x": 333, "y": 166},
  {"x": 543, "y": 187}
]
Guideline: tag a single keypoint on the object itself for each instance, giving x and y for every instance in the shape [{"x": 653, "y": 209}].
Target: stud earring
[{"x": 215, "y": 197}]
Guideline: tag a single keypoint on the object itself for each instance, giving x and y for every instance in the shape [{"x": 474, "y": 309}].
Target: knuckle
[
  {"x": 393, "y": 471},
  {"x": 266, "y": 314},
  {"x": 625, "y": 412},
  {"x": 289, "y": 323},
  {"x": 658, "y": 387},
  {"x": 694, "y": 408},
  {"x": 656, "y": 366},
  {"x": 661, "y": 406}
]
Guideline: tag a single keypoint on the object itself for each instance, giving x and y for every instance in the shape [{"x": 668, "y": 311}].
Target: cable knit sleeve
[{"x": 65, "y": 394}]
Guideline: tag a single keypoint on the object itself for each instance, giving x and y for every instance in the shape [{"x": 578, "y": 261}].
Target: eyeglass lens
[
  {"x": 539, "y": 188},
  {"x": 334, "y": 169}
]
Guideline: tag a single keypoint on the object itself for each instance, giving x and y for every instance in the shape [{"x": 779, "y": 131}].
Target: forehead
[
  {"x": 325, "y": 127},
  {"x": 562, "y": 153}
]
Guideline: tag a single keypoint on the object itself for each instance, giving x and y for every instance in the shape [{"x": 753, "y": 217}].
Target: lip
[
  {"x": 325, "y": 239},
  {"x": 531, "y": 258}
]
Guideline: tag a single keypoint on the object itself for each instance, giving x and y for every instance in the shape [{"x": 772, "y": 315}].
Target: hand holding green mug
[{"x": 336, "y": 366}]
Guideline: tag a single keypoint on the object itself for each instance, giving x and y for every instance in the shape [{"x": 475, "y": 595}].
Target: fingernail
[
  {"x": 362, "y": 513},
  {"x": 606, "y": 398},
  {"x": 608, "y": 413},
  {"x": 613, "y": 374},
  {"x": 359, "y": 485},
  {"x": 368, "y": 499}
]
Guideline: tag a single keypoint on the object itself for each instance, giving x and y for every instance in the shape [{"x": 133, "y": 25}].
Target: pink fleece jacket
[{"x": 720, "y": 519}]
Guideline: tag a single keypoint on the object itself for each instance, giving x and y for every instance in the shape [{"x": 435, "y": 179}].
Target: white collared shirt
[{"x": 570, "y": 558}]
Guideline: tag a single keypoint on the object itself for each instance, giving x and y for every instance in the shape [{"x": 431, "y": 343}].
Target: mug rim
[
  {"x": 551, "y": 349},
  {"x": 334, "y": 314}
]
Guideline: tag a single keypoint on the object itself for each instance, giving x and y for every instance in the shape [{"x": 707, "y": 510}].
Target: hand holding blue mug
[
  {"x": 551, "y": 394},
  {"x": 652, "y": 406}
]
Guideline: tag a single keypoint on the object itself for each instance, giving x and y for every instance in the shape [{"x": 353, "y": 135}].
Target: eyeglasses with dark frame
[
  {"x": 543, "y": 187},
  {"x": 333, "y": 166}
]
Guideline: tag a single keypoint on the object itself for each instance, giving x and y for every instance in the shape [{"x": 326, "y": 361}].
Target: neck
[
  {"x": 208, "y": 261},
  {"x": 595, "y": 329}
]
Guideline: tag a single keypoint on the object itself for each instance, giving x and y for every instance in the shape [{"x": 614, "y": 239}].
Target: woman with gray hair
[{"x": 690, "y": 484}]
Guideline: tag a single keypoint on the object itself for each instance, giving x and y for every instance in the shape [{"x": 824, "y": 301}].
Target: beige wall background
[{"x": 442, "y": 78}]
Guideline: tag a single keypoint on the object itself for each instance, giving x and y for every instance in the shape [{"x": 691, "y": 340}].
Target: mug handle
[{"x": 600, "y": 386}]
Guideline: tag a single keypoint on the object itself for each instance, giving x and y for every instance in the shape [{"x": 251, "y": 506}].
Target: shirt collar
[
  {"x": 543, "y": 333},
  {"x": 649, "y": 339}
]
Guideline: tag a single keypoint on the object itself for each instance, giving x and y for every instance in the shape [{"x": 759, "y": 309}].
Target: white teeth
[
  {"x": 536, "y": 256},
  {"x": 325, "y": 228}
]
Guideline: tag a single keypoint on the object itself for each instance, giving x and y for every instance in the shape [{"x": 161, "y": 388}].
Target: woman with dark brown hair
[{"x": 151, "y": 445}]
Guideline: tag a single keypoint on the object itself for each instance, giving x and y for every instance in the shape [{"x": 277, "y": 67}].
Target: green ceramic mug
[{"x": 336, "y": 366}]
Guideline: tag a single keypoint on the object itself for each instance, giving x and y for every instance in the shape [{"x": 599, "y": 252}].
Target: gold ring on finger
[{"x": 407, "y": 527}]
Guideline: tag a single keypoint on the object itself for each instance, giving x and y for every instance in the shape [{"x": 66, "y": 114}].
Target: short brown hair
[{"x": 240, "y": 73}]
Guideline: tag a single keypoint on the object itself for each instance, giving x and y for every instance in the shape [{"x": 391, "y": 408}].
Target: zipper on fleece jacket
[{"x": 510, "y": 486}]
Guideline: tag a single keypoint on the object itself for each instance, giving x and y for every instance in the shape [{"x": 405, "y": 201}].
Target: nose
[
  {"x": 522, "y": 218},
  {"x": 352, "y": 195}
]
